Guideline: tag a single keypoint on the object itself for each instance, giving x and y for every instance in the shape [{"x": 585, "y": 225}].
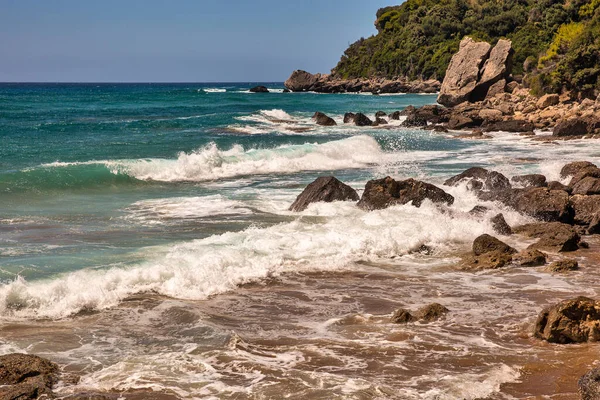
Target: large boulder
[
  {"x": 496, "y": 68},
  {"x": 361, "y": 119},
  {"x": 548, "y": 100},
  {"x": 571, "y": 321},
  {"x": 589, "y": 385},
  {"x": 554, "y": 236},
  {"x": 583, "y": 173},
  {"x": 480, "y": 179},
  {"x": 323, "y": 120},
  {"x": 386, "y": 192},
  {"x": 530, "y": 180},
  {"x": 570, "y": 127},
  {"x": 573, "y": 168},
  {"x": 540, "y": 203},
  {"x": 488, "y": 253},
  {"x": 324, "y": 189},
  {"x": 24, "y": 376},
  {"x": 511, "y": 125},
  {"x": 530, "y": 258},
  {"x": 585, "y": 208},
  {"x": 486, "y": 244},
  {"x": 349, "y": 117},
  {"x": 301, "y": 81},
  {"x": 463, "y": 72},
  {"x": 587, "y": 186},
  {"x": 259, "y": 89},
  {"x": 500, "y": 225}
]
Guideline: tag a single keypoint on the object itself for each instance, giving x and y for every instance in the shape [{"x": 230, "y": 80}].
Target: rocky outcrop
[
  {"x": 488, "y": 253},
  {"x": 24, "y": 376},
  {"x": 386, "y": 192},
  {"x": 540, "y": 203},
  {"x": 571, "y": 169},
  {"x": 324, "y": 189},
  {"x": 480, "y": 179},
  {"x": 530, "y": 258},
  {"x": 571, "y": 127},
  {"x": 323, "y": 120},
  {"x": 529, "y": 181},
  {"x": 474, "y": 69},
  {"x": 361, "y": 119},
  {"x": 302, "y": 81},
  {"x": 570, "y": 321},
  {"x": 500, "y": 225},
  {"x": 464, "y": 72},
  {"x": 585, "y": 208},
  {"x": 259, "y": 89},
  {"x": 486, "y": 244}
]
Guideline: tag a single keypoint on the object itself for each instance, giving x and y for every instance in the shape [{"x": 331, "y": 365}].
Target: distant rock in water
[
  {"x": 323, "y": 119},
  {"x": 570, "y": 321},
  {"x": 480, "y": 179},
  {"x": 259, "y": 89},
  {"x": 361, "y": 119},
  {"x": 386, "y": 192},
  {"x": 326, "y": 189},
  {"x": 349, "y": 117}
]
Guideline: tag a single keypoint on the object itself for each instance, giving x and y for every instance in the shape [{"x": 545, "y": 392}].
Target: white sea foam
[{"x": 214, "y": 90}]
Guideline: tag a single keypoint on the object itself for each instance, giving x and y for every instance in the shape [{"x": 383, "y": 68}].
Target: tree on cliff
[{"x": 556, "y": 42}]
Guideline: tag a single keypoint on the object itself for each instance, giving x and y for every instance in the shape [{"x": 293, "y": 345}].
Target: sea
[{"x": 146, "y": 244}]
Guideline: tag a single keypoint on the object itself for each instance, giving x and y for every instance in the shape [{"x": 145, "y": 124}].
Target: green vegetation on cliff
[{"x": 556, "y": 42}]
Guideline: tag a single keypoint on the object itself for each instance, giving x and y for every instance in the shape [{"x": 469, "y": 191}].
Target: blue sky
[{"x": 176, "y": 41}]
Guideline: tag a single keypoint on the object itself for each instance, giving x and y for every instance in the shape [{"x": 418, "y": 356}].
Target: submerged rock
[
  {"x": 480, "y": 179},
  {"x": 554, "y": 236},
  {"x": 432, "y": 312},
  {"x": 326, "y": 189},
  {"x": 259, "y": 89},
  {"x": 564, "y": 265},
  {"x": 402, "y": 316},
  {"x": 386, "y": 192},
  {"x": 323, "y": 120},
  {"x": 570, "y": 321}
]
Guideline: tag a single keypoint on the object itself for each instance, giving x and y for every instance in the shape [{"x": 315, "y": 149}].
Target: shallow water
[{"x": 145, "y": 242}]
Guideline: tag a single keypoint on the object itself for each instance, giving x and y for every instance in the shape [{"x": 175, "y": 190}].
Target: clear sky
[{"x": 176, "y": 40}]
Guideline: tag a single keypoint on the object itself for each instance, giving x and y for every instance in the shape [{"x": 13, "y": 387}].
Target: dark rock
[
  {"x": 573, "y": 168},
  {"x": 512, "y": 126},
  {"x": 413, "y": 120},
  {"x": 286, "y": 90},
  {"x": 402, "y": 316},
  {"x": 395, "y": 115},
  {"x": 480, "y": 179},
  {"x": 24, "y": 376},
  {"x": 570, "y": 321},
  {"x": 361, "y": 119},
  {"x": 487, "y": 244},
  {"x": 589, "y": 385},
  {"x": 540, "y": 203},
  {"x": 432, "y": 312},
  {"x": 555, "y": 185},
  {"x": 585, "y": 208},
  {"x": 301, "y": 81},
  {"x": 500, "y": 226},
  {"x": 349, "y": 117},
  {"x": 458, "y": 122},
  {"x": 326, "y": 189},
  {"x": 564, "y": 266},
  {"x": 379, "y": 121},
  {"x": 571, "y": 127},
  {"x": 587, "y": 186},
  {"x": 407, "y": 111},
  {"x": 463, "y": 72},
  {"x": 380, "y": 114},
  {"x": 323, "y": 120},
  {"x": 530, "y": 258},
  {"x": 383, "y": 193},
  {"x": 554, "y": 236},
  {"x": 594, "y": 226},
  {"x": 588, "y": 172},
  {"x": 259, "y": 89},
  {"x": 479, "y": 210},
  {"x": 529, "y": 181}
]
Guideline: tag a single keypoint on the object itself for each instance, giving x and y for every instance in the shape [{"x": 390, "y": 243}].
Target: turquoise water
[{"x": 64, "y": 206}]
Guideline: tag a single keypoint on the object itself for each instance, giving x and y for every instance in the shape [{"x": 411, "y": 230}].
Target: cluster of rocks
[
  {"x": 302, "y": 81},
  {"x": 264, "y": 89},
  {"x": 480, "y": 92},
  {"x": 429, "y": 313}
]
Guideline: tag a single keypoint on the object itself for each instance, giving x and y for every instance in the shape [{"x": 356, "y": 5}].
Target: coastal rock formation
[
  {"x": 540, "y": 203},
  {"x": 553, "y": 236},
  {"x": 323, "y": 120},
  {"x": 589, "y": 385},
  {"x": 570, "y": 321},
  {"x": 302, "y": 81},
  {"x": 585, "y": 209},
  {"x": 565, "y": 265},
  {"x": 570, "y": 127},
  {"x": 510, "y": 125},
  {"x": 324, "y": 189},
  {"x": 488, "y": 253},
  {"x": 474, "y": 69},
  {"x": 530, "y": 258},
  {"x": 24, "y": 376},
  {"x": 463, "y": 72},
  {"x": 587, "y": 186},
  {"x": 386, "y": 192},
  {"x": 361, "y": 119},
  {"x": 529, "y": 181},
  {"x": 480, "y": 179},
  {"x": 259, "y": 89},
  {"x": 429, "y": 313},
  {"x": 571, "y": 169},
  {"x": 500, "y": 226}
]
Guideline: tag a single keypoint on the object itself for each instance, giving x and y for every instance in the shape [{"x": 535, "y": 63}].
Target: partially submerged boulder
[
  {"x": 564, "y": 265},
  {"x": 530, "y": 180},
  {"x": 259, "y": 89},
  {"x": 530, "y": 258},
  {"x": 540, "y": 203},
  {"x": 349, "y": 117},
  {"x": 486, "y": 244},
  {"x": 361, "y": 119},
  {"x": 570, "y": 321},
  {"x": 570, "y": 127},
  {"x": 488, "y": 253},
  {"x": 429, "y": 313},
  {"x": 480, "y": 179},
  {"x": 554, "y": 236},
  {"x": 573, "y": 168},
  {"x": 500, "y": 225},
  {"x": 325, "y": 189},
  {"x": 386, "y": 192},
  {"x": 323, "y": 120},
  {"x": 402, "y": 316},
  {"x": 301, "y": 81}
]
